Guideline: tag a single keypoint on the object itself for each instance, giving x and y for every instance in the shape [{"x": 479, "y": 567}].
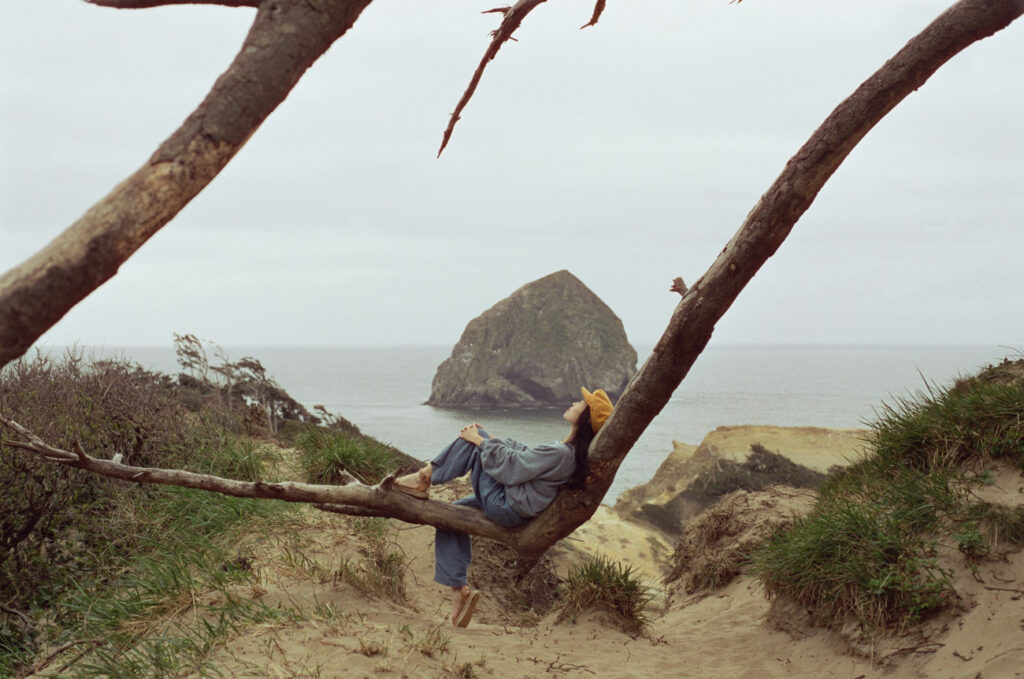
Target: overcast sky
[{"x": 628, "y": 153}]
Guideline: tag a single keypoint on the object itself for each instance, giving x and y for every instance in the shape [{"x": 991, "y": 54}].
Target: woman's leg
[
  {"x": 457, "y": 459},
  {"x": 453, "y": 552}
]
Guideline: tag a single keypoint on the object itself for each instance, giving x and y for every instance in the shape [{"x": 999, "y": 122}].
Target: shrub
[
  {"x": 851, "y": 558},
  {"x": 761, "y": 469},
  {"x": 598, "y": 583},
  {"x": 716, "y": 545},
  {"x": 72, "y": 543}
]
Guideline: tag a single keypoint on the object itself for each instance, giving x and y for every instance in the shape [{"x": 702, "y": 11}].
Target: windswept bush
[
  {"x": 761, "y": 469},
  {"x": 976, "y": 420},
  {"x": 68, "y": 536}
]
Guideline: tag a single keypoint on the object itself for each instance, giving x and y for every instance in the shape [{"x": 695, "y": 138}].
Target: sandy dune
[{"x": 725, "y": 633}]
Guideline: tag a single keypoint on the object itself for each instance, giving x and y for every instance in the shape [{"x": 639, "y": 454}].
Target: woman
[{"x": 512, "y": 483}]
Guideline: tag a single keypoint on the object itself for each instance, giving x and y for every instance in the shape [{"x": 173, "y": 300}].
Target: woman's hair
[{"x": 582, "y": 435}]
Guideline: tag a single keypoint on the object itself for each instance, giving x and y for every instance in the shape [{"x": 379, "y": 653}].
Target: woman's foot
[
  {"x": 463, "y": 604},
  {"x": 417, "y": 485}
]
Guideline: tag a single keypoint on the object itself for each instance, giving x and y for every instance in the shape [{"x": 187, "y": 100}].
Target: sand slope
[{"x": 725, "y": 633}]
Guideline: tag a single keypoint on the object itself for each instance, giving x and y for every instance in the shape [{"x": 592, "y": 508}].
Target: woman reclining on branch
[{"x": 512, "y": 483}]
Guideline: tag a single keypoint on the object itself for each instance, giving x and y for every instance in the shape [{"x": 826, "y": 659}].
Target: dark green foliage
[
  {"x": 996, "y": 523},
  {"x": 761, "y": 469},
  {"x": 598, "y": 583}
]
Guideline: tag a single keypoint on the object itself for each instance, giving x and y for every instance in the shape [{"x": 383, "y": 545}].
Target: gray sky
[{"x": 628, "y": 153}]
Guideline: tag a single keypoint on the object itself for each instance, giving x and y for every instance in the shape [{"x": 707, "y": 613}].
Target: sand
[{"x": 725, "y": 633}]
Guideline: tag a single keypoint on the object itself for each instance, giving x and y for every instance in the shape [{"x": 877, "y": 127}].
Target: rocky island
[{"x": 535, "y": 348}]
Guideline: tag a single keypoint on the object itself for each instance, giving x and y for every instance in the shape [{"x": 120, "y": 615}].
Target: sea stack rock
[{"x": 536, "y": 348}]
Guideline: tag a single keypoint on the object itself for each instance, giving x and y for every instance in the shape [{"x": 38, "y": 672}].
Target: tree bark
[
  {"x": 223, "y": 123},
  {"x": 286, "y": 37}
]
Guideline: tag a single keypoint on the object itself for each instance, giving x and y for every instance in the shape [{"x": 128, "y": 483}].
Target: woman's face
[{"x": 573, "y": 412}]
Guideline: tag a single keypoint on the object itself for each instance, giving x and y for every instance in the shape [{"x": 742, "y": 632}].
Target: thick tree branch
[
  {"x": 146, "y": 4},
  {"x": 286, "y": 37},
  {"x": 757, "y": 239}
]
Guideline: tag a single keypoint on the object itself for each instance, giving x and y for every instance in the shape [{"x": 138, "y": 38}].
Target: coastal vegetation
[
  {"x": 96, "y": 565},
  {"x": 96, "y": 575},
  {"x": 882, "y": 541},
  {"x": 608, "y": 586}
]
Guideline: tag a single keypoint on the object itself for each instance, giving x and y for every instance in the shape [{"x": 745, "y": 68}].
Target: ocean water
[{"x": 382, "y": 390}]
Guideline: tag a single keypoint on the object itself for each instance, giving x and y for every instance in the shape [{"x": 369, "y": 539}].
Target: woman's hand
[{"x": 471, "y": 433}]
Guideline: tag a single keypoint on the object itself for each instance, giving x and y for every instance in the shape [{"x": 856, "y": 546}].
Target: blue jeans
[{"x": 453, "y": 551}]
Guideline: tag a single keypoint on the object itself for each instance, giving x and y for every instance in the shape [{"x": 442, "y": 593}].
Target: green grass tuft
[
  {"x": 598, "y": 583},
  {"x": 868, "y": 549},
  {"x": 976, "y": 420},
  {"x": 326, "y": 455}
]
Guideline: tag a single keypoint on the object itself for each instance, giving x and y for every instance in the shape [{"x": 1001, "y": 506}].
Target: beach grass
[
  {"x": 876, "y": 546},
  {"x": 602, "y": 584},
  {"x": 326, "y": 456},
  {"x": 381, "y": 570}
]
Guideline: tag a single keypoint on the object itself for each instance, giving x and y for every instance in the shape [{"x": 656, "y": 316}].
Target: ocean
[{"x": 382, "y": 391}]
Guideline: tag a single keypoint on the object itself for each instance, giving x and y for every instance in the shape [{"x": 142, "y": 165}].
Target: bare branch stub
[
  {"x": 598, "y": 10},
  {"x": 514, "y": 16}
]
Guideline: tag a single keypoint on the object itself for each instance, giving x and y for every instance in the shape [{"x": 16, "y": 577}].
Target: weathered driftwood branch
[
  {"x": 286, "y": 37},
  {"x": 351, "y": 498}
]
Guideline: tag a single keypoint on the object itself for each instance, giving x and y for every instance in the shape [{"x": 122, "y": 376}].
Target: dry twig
[{"x": 514, "y": 16}]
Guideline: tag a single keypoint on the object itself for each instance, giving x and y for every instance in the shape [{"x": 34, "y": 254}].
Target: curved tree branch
[
  {"x": 286, "y": 37},
  {"x": 351, "y": 498},
  {"x": 598, "y": 11},
  {"x": 757, "y": 239}
]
